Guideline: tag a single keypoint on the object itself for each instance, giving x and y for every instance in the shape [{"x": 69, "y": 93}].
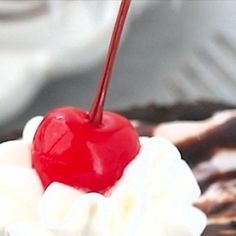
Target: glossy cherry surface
[
  {"x": 87, "y": 150},
  {"x": 68, "y": 148}
]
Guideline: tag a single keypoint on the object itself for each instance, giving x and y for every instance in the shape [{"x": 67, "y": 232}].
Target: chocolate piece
[
  {"x": 155, "y": 114},
  {"x": 202, "y": 147},
  {"x": 220, "y": 230},
  {"x": 16, "y": 134}
]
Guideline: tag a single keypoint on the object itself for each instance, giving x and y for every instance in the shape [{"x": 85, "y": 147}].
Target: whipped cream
[{"x": 154, "y": 196}]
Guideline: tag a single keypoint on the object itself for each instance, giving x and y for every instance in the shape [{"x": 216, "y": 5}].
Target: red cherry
[
  {"x": 87, "y": 150},
  {"x": 68, "y": 148}
]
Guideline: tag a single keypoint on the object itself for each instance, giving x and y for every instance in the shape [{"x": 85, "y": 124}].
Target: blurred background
[{"x": 52, "y": 53}]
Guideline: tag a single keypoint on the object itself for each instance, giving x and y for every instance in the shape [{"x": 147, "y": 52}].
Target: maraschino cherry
[{"x": 87, "y": 150}]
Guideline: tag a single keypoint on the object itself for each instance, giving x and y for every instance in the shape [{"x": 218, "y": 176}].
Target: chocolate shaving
[{"x": 202, "y": 147}]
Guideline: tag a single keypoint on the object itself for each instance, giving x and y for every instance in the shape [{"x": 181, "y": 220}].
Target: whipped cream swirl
[{"x": 154, "y": 196}]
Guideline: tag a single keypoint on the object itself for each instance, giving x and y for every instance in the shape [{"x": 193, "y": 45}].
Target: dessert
[
  {"x": 206, "y": 138},
  {"x": 154, "y": 116},
  {"x": 88, "y": 173},
  {"x": 146, "y": 200}
]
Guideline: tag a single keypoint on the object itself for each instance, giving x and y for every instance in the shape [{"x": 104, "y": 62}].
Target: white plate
[{"x": 44, "y": 40}]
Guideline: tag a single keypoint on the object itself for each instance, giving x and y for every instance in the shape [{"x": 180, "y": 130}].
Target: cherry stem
[{"x": 96, "y": 112}]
